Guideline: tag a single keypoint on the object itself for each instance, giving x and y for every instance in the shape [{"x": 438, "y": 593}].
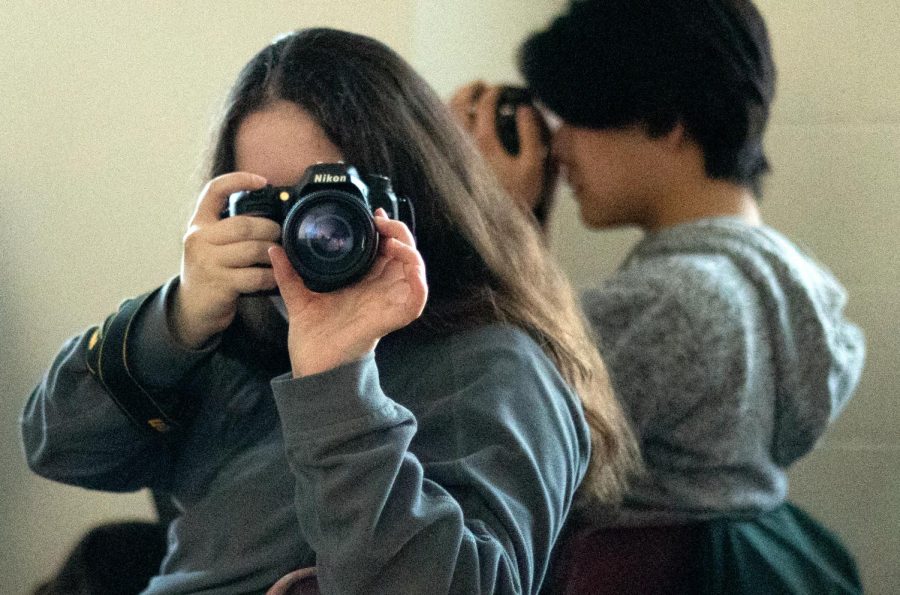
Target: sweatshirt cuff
[
  {"x": 349, "y": 392},
  {"x": 158, "y": 360}
]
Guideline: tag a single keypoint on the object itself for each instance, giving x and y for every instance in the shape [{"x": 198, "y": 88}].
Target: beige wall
[
  {"x": 835, "y": 142},
  {"x": 106, "y": 111}
]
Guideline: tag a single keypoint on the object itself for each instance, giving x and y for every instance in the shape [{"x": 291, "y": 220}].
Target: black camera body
[
  {"x": 327, "y": 222},
  {"x": 505, "y": 119}
]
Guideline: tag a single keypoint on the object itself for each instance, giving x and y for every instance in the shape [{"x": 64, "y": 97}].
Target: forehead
[{"x": 279, "y": 142}]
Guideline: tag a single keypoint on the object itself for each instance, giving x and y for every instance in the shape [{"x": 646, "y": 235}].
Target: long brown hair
[{"x": 485, "y": 261}]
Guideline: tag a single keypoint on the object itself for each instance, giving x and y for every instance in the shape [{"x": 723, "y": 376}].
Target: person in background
[
  {"x": 426, "y": 429},
  {"x": 725, "y": 341}
]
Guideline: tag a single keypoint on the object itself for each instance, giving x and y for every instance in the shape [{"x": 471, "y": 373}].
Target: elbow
[
  {"x": 36, "y": 448},
  {"x": 51, "y": 460}
]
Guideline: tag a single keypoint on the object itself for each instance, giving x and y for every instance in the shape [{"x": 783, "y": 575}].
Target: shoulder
[
  {"x": 468, "y": 353},
  {"x": 500, "y": 356},
  {"x": 495, "y": 342},
  {"x": 494, "y": 383},
  {"x": 666, "y": 288},
  {"x": 507, "y": 357},
  {"x": 491, "y": 367},
  {"x": 495, "y": 420}
]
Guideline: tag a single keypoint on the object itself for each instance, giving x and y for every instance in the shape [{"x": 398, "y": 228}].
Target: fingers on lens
[
  {"x": 529, "y": 130},
  {"x": 403, "y": 252},
  {"x": 395, "y": 229},
  {"x": 463, "y": 101}
]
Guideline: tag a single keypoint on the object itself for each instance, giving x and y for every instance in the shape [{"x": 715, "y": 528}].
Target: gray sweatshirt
[
  {"x": 436, "y": 466},
  {"x": 730, "y": 352}
]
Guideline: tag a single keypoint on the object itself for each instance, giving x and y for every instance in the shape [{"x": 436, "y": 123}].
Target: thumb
[{"x": 289, "y": 282}]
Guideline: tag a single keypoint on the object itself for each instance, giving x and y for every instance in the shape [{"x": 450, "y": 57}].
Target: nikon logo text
[{"x": 328, "y": 179}]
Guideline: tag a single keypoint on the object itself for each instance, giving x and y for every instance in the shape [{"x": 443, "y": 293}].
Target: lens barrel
[{"x": 330, "y": 239}]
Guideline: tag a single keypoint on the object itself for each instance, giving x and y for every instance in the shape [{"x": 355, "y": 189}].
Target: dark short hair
[{"x": 704, "y": 63}]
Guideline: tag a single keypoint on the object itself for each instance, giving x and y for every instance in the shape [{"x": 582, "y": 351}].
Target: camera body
[
  {"x": 505, "y": 119},
  {"x": 327, "y": 222}
]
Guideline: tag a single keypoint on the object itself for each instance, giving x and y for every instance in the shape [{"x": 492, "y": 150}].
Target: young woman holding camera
[{"x": 423, "y": 430}]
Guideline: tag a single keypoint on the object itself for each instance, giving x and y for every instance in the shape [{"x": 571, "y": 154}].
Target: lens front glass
[
  {"x": 329, "y": 235},
  {"x": 326, "y": 233},
  {"x": 330, "y": 238}
]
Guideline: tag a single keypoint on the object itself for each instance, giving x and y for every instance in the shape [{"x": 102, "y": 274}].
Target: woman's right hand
[{"x": 222, "y": 259}]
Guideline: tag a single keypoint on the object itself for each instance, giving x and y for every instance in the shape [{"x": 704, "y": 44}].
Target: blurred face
[
  {"x": 612, "y": 172},
  {"x": 279, "y": 142}
]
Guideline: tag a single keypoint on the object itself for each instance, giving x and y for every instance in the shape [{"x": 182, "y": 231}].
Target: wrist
[
  {"x": 315, "y": 359},
  {"x": 190, "y": 329}
]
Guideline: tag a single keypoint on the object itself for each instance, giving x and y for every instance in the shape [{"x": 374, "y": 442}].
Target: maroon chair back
[{"x": 621, "y": 561}]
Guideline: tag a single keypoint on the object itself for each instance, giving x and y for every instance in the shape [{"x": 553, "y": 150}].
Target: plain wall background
[{"x": 106, "y": 110}]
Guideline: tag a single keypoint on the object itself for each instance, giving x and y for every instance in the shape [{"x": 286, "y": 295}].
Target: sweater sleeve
[
  {"x": 468, "y": 498},
  {"x": 72, "y": 430}
]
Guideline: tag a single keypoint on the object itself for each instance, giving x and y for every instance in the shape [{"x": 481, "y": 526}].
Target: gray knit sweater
[{"x": 730, "y": 352}]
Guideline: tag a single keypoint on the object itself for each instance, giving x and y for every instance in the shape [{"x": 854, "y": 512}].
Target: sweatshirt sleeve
[
  {"x": 72, "y": 430},
  {"x": 468, "y": 498}
]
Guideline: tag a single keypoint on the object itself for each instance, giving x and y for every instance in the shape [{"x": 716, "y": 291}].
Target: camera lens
[
  {"x": 328, "y": 235},
  {"x": 330, "y": 239}
]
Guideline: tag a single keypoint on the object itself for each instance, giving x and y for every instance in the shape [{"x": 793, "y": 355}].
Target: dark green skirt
[{"x": 782, "y": 551}]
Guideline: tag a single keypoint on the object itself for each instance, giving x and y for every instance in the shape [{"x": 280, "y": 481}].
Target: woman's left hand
[{"x": 327, "y": 330}]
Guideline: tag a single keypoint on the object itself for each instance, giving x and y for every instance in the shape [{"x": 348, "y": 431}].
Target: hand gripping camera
[{"x": 327, "y": 223}]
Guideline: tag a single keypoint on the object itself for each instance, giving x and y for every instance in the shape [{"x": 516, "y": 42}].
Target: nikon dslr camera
[{"x": 327, "y": 223}]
